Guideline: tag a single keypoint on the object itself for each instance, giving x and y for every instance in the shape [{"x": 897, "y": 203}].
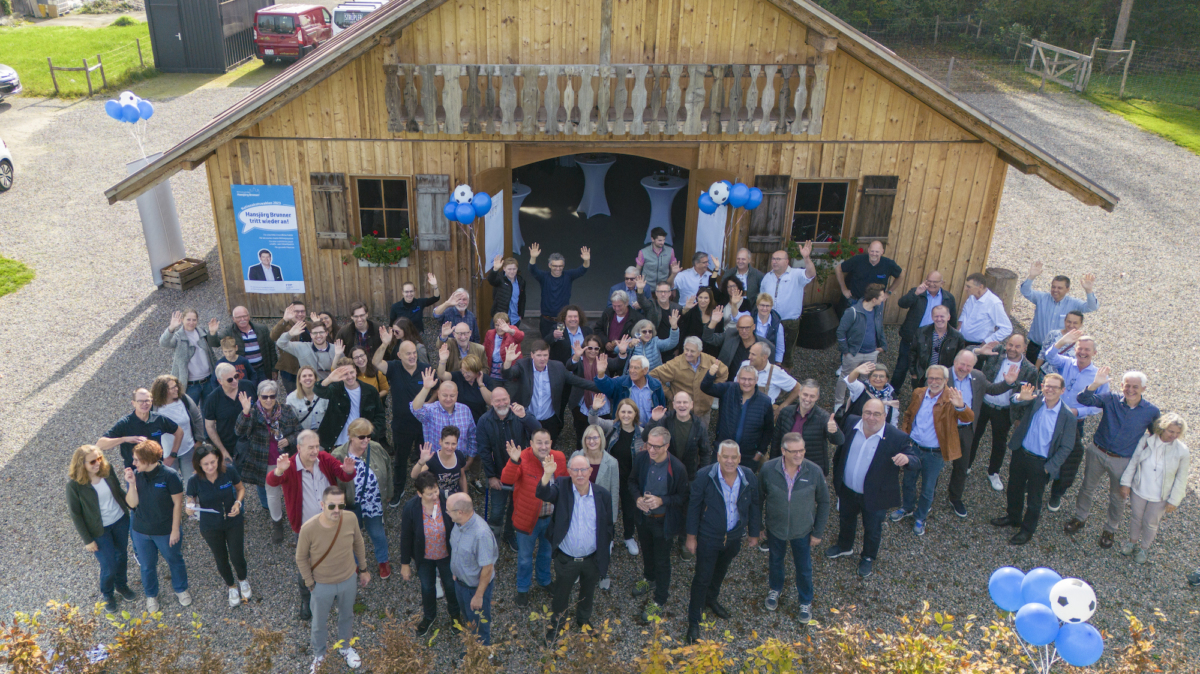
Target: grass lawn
[
  {"x": 13, "y": 275},
  {"x": 27, "y": 46},
  {"x": 1179, "y": 124}
]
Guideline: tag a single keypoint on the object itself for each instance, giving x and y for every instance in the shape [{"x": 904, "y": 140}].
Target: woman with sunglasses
[
  {"x": 605, "y": 471},
  {"x": 215, "y": 493},
  {"x": 269, "y": 430},
  {"x": 646, "y": 342},
  {"x": 98, "y": 510},
  {"x": 371, "y": 487},
  {"x": 584, "y": 364}
]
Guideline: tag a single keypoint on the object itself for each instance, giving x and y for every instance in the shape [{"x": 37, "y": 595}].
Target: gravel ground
[{"x": 56, "y": 399}]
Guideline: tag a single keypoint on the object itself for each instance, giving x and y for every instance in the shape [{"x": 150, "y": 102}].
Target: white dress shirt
[
  {"x": 688, "y": 283},
  {"x": 788, "y": 291},
  {"x": 984, "y": 320},
  {"x": 780, "y": 380},
  {"x": 862, "y": 453}
]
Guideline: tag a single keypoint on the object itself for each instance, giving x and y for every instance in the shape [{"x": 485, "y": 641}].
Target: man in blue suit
[{"x": 866, "y": 474}]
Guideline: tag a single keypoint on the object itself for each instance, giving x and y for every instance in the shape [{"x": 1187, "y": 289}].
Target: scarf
[
  {"x": 589, "y": 373},
  {"x": 271, "y": 418},
  {"x": 885, "y": 394}
]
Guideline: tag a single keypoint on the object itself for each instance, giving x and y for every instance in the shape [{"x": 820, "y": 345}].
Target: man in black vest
[{"x": 920, "y": 302}]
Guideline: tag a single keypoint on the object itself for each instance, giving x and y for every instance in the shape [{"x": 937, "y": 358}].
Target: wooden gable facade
[{"x": 739, "y": 89}]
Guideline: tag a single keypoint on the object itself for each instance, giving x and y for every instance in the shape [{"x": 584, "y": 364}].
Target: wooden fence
[{"x": 87, "y": 70}]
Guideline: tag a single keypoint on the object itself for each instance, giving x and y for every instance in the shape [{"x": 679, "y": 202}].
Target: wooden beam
[
  {"x": 822, "y": 43},
  {"x": 1021, "y": 166},
  {"x": 193, "y": 164}
]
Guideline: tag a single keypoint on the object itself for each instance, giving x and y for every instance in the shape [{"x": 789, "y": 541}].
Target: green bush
[{"x": 125, "y": 21}]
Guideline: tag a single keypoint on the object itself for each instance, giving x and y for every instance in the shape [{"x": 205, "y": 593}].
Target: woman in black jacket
[
  {"x": 425, "y": 530},
  {"x": 697, "y": 313},
  {"x": 101, "y": 516}
]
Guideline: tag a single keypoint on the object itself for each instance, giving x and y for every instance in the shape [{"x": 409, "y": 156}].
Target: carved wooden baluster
[
  {"x": 785, "y": 98},
  {"x": 586, "y": 100},
  {"x": 529, "y": 99},
  {"x": 735, "y": 101},
  {"x": 490, "y": 80},
  {"x": 693, "y": 101},
  {"x": 473, "y": 99},
  {"x": 603, "y": 99},
  {"x": 768, "y": 100},
  {"x": 452, "y": 98},
  {"x": 716, "y": 101},
  {"x": 673, "y": 95},
  {"x": 410, "y": 98},
  {"x": 569, "y": 99},
  {"x": 820, "y": 80},
  {"x": 656, "y": 96},
  {"x": 799, "y": 124},
  {"x": 429, "y": 98},
  {"x": 638, "y": 126},
  {"x": 508, "y": 100},
  {"x": 393, "y": 99},
  {"x": 620, "y": 99},
  {"x": 752, "y": 99},
  {"x": 551, "y": 99}
]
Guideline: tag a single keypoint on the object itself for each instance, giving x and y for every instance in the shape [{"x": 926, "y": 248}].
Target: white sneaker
[
  {"x": 244, "y": 587},
  {"x": 235, "y": 598},
  {"x": 185, "y": 598},
  {"x": 151, "y": 604},
  {"x": 632, "y": 546},
  {"x": 996, "y": 483},
  {"x": 316, "y": 663},
  {"x": 437, "y": 585},
  {"x": 352, "y": 659}
]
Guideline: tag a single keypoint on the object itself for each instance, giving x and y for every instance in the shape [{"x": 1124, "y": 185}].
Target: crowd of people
[{"x": 297, "y": 410}]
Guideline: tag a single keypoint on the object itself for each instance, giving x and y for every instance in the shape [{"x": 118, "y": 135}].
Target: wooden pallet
[{"x": 185, "y": 273}]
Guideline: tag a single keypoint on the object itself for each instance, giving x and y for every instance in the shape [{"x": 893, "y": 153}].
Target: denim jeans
[
  {"x": 197, "y": 392},
  {"x": 931, "y": 467},
  {"x": 525, "y": 560},
  {"x": 499, "y": 510},
  {"x": 801, "y": 557},
  {"x": 375, "y": 531},
  {"x": 482, "y": 619},
  {"x": 147, "y": 549},
  {"x": 289, "y": 381},
  {"x": 427, "y": 571},
  {"x": 111, "y": 552}
]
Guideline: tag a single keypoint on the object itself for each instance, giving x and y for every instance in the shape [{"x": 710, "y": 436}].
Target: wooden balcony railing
[{"x": 616, "y": 100}]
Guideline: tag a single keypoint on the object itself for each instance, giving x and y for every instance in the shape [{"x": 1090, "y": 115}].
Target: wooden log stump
[{"x": 1003, "y": 283}]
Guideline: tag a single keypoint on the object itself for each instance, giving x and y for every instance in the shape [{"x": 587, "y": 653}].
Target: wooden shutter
[
  {"x": 433, "y": 229},
  {"x": 771, "y": 219},
  {"x": 331, "y": 217},
  {"x": 875, "y": 208}
]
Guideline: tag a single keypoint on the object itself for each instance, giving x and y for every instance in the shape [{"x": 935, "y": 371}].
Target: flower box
[{"x": 401, "y": 263}]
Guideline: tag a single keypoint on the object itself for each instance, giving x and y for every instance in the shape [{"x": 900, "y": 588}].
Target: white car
[
  {"x": 10, "y": 84},
  {"x": 6, "y": 167}
]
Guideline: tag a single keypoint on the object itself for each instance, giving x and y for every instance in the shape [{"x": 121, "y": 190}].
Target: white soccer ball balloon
[
  {"x": 463, "y": 194},
  {"x": 127, "y": 98},
  {"x": 1072, "y": 600},
  {"x": 718, "y": 192}
]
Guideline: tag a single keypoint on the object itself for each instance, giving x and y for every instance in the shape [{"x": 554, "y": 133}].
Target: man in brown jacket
[
  {"x": 931, "y": 420},
  {"x": 325, "y": 555},
  {"x": 683, "y": 373}
]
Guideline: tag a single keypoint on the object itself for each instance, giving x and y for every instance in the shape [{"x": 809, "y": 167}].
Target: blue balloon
[
  {"x": 1035, "y": 588},
  {"x": 706, "y": 204},
  {"x": 465, "y": 213},
  {"x": 482, "y": 204},
  {"x": 1005, "y": 587},
  {"x": 450, "y": 210},
  {"x": 113, "y": 109},
  {"x": 145, "y": 109},
  {"x": 728, "y": 184},
  {"x": 1079, "y": 644},
  {"x": 739, "y": 194},
  {"x": 1037, "y": 624},
  {"x": 129, "y": 113},
  {"x": 755, "y": 199}
]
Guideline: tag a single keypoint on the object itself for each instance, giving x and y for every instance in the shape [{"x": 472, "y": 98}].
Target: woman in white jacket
[{"x": 1155, "y": 482}]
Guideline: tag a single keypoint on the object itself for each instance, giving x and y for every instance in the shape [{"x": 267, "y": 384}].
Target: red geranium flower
[
  {"x": 837, "y": 252},
  {"x": 860, "y": 250},
  {"x": 375, "y": 232},
  {"x": 397, "y": 248}
]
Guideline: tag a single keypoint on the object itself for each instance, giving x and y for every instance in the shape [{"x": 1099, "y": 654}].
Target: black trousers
[
  {"x": 427, "y": 571},
  {"x": 1070, "y": 467},
  {"x": 228, "y": 547},
  {"x": 547, "y": 325},
  {"x": 406, "y": 434},
  {"x": 1001, "y": 421},
  {"x": 713, "y": 558},
  {"x": 958, "y": 475},
  {"x": 628, "y": 502},
  {"x": 554, "y": 426},
  {"x": 566, "y": 571},
  {"x": 1032, "y": 349},
  {"x": 903, "y": 360},
  {"x": 656, "y": 556},
  {"x": 852, "y": 505},
  {"x": 581, "y": 424},
  {"x": 1026, "y": 483}
]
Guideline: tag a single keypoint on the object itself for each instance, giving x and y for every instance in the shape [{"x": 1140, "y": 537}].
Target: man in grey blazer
[
  {"x": 750, "y": 277},
  {"x": 1039, "y": 447},
  {"x": 973, "y": 386},
  {"x": 536, "y": 383},
  {"x": 734, "y": 343}
]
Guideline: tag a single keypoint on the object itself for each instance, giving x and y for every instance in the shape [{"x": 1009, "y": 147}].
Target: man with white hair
[
  {"x": 1127, "y": 417},
  {"x": 222, "y": 408},
  {"x": 983, "y": 320},
  {"x": 750, "y": 277},
  {"x": 629, "y": 286},
  {"x": 685, "y": 372},
  {"x": 456, "y": 310},
  {"x": 931, "y": 420},
  {"x": 637, "y": 385},
  {"x": 1078, "y": 373},
  {"x": 556, "y": 284},
  {"x": 617, "y": 321}
]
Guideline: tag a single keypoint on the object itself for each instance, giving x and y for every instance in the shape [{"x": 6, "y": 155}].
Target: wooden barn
[{"x": 840, "y": 134}]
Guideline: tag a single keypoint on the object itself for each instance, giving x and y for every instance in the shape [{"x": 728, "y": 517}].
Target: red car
[{"x": 290, "y": 31}]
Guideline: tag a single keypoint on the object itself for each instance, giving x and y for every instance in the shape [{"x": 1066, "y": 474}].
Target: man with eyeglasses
[
  {"x": 461, "y": 346},
  {"x": 456, "y": 309},
  {"x": 307, "y": 346},
  {"x": 785, "y": 284},
  {"x": 473, "y": 555},
  {"x": 617, "y": 321},
  {"x": 866, "y": 471},
  {"x": 287, "y": 364},
  {"x": 632, "y": 286},
  {"x": 734, "y": 343},
  {"x": 138, "y": 426},
  {"x": 659, "y": 484},
  {"x": 505, "y": 422},
  {"x": 688, "y": 282},
  {"x": 222, "y": 409},
  {"x": 556, "y": 285},
  {"x": 919, "y": 302},
  {"x": 412, "y": 307},
  {"x": 658, "y": 310},
  {"x": 305, "y": 476},
  {"x": 360, "y": 332},
  {"x": 746, "y": 415},
  {"x": 581, "y": 535},
  {"x": 253, "y": 341},
  {"x": 1039, "y": 446},
  {"x": 1078, "y": 373},
  {"x": 795, "y": 507},
  {"x": 685, "y": 372},
  {"x": 329, "y": 552}
]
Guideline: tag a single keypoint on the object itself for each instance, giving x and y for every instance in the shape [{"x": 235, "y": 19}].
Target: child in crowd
[{"x": 230, "y": 355}]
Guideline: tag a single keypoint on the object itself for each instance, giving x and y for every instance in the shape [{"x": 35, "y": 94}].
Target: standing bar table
[
  {"x": 594, "y": 166},
  {"x": 519, "y": 192},
  {"x": 662, "y": 190}
]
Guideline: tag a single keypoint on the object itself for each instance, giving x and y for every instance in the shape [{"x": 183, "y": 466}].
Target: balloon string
[{"x": 133, "y": 132}]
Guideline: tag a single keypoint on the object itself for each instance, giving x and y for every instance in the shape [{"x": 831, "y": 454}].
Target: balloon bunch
[
  {"x": 1041, "y": 599},
  {"x": 130, "y": 109},
  {"x": 736, "y": 195},
  {"x": 467, "y": 205}
]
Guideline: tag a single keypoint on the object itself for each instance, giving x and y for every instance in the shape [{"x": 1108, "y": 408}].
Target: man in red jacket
[
  {"x": 304, "y": 478},
  {"x": 531, "y": 516}
]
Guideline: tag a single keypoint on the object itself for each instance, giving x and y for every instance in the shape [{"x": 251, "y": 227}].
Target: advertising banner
[{"x": 269, "y": 238}]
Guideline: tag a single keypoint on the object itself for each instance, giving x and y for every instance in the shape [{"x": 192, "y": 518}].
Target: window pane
[
  {"x": 395, "y": 194},
  {"x": 804, "y": 227},
  {"x": 829, "y": 226},
  {"x": 369, "y": 194},
  {"x": 397, "y": 223},
  {"x": 835, "y": 197},
  {"x": 371, "y": 221},
  {"x": 808, "y": 196}
]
